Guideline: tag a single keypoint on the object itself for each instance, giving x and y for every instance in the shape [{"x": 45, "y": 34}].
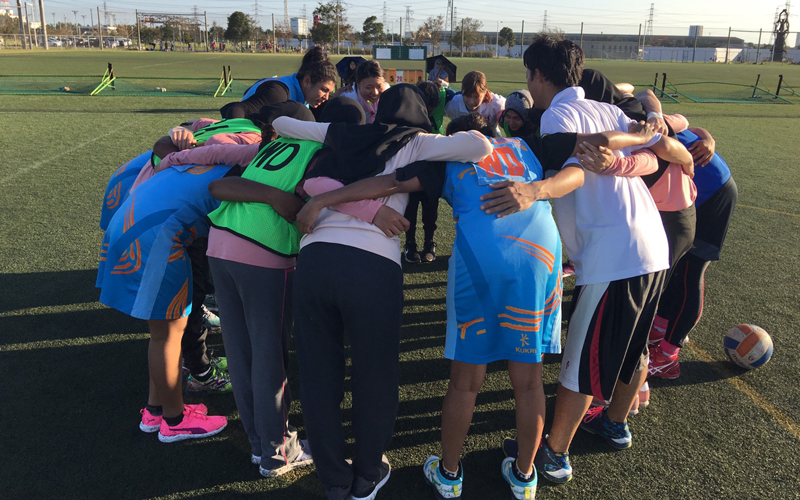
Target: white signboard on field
[{"x": 416, "y": 54}]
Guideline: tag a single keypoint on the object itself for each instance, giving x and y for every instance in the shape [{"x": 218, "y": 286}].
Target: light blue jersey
[
  {"x": 291, "y": 81},
  {"x": 504, "y": 281},
  {"x": 144, "y": 270},
  {"x": 119, "y": 186}
]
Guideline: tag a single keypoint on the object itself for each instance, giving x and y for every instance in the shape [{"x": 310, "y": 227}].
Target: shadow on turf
[
  {"x": 700, "y": 372},
  {"x": 26, "y": 290}
]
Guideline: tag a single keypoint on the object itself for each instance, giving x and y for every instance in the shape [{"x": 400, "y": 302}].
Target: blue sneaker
[
  {"x": 616, "y": 434},
  {"x": 554, "y": 467},
  {"x": 443, "y": 488},
  {"x": 522, "y": 490}
]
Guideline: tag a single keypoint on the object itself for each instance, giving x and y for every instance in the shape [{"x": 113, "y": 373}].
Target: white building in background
[
  {"x": 695, "y": 31},
  {"x": 299, "y": 26}
]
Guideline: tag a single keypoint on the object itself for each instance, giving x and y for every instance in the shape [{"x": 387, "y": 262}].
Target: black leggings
[
  {"x": 682, "y": 302},
  {"x": 342, "y": 292},
  {"x": 430, "y": 213},
  {"x": 193, "y": 342}
]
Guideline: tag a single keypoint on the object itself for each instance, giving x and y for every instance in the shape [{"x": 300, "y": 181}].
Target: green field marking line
[
  {"x": 74, "y": 342},
  {"x": 740, "y": 385},
  {"x": 767, "y": 210},
  {"x": 41, "y": 163}
]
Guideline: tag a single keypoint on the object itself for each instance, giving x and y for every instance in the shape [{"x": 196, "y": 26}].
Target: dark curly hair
[{"x": 471, "y": 121}]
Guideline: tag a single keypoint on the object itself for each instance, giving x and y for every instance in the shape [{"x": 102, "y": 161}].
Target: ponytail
[{"x": 317, "y": 67}]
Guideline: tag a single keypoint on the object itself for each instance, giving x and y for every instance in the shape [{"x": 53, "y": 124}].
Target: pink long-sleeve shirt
[
  {"x": 674, "y": 190},
  {"x": 228, "y": 246}
]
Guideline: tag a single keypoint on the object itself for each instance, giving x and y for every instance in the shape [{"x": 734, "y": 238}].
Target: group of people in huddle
[{"x": 289, "y": 210}]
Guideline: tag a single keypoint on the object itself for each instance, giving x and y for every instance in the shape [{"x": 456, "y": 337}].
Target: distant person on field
[{"x": 475, "y": 97}]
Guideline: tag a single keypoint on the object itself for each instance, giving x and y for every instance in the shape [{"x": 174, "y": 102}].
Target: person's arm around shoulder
[
  {"x": 467, "y": 147},
  {"x": 287, "y": 205},
  {"x": 379, "y": 186},
  {"x": 652, "y": 106},
  {"x": 298, "y": 129},
  {"x": 703, "y": 150}
]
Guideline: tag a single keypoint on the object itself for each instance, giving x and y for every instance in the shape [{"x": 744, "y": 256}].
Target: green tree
[
  {"x": 9, "y": 25},
  {"x": 330, "y": 15},
  {"x": 372, "y": 31},
  {"x": 430, "y": 31},
  {"x": 149, "y": 35},
  {"x": 241, "y": 27},
  {"x": 168, "y": 31},
  {"x": 468, "y": 31},
  {"x": 507, "y": 39},
  {"x": 216, "y": 33}
]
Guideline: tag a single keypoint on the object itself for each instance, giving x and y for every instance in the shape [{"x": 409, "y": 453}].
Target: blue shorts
[
  {"x": 144, "y": 270},
  {"x": 119, "y": 186}
]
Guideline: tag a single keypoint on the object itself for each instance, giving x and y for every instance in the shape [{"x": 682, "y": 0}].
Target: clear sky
[{"x": 621, "y": 16}]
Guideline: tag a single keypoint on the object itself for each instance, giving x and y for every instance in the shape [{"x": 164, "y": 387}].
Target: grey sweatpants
[{"x": 255, "y": 307}]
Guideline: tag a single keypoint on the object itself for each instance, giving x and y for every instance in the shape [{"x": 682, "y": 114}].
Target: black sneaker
[
  {"x": 368, "y": 490},
  {"x": 411, "y": 254},
  {"x": 429, "y": 252}
]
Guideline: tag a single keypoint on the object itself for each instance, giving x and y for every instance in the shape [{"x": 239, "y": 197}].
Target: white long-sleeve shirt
[
  {"x": 343, "y": 229},
  {"x": 610, "y": 226}
]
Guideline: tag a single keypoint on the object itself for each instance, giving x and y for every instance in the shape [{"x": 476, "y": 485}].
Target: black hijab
[
  {"x": 361, "y": 151},
  {"x": 599, "y": 88},
  {"x": 269, "y": 92},
  {"x": 292, "y": 109},
  {"x": 343, "y": 110}
]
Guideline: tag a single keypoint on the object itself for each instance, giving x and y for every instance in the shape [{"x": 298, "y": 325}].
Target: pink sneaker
[
  {"x": 663, "y": 366},
  {"x": 657, "y": 332},
  {"x": 151, "y": 423},
  {"x": 194, "y": 426}
]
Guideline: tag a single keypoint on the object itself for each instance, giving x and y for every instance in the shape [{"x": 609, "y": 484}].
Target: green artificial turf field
[{"x": 74, "y": 372}]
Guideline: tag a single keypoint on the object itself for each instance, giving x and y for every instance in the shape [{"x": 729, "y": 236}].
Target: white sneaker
[{"x": 303, "y": 459}]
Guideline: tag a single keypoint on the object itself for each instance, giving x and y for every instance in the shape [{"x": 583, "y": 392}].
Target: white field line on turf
[
  {"x": 171, "y": 63},
  {"x": 48, "y": 161}
]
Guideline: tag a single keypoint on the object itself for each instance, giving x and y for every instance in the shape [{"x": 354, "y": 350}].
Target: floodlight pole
[
  {"x": 462, "y": 37},
  {"x": 44, "y": 24},
  {"x": 205, "y": 18},
  {"x": 32, "y": 37},
  {"x": 138, "y": 30},
  {"x": 497, "y": 41},
  {"x": 758, "y": 50},
  {"x": 522, "y": 42},
  {"x": 694, "y": 51},
  {"x": 728, "y": 46},
  {"x": 21, "y": 25},
  {"x": 581, "y": 39},
  {"x": 99, "y": 30}
]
